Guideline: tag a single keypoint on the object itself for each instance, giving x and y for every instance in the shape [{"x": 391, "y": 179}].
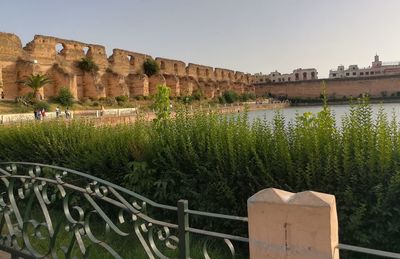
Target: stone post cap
[{"x": 306, "y": 198}]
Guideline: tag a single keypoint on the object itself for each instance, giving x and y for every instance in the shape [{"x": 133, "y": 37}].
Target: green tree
[
  {"x": 88, "y": 65},
  {"x": 162, "y": 103},
  {"x": 150, "y": 67},
  {"x": 35, "y": 82},
  {"x": 65, "y": 97},
  {"x": 230, "y": 96}
]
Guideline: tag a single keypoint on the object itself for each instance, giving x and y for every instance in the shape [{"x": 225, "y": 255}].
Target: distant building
[
  {"x": 299, "y": 74},
  {"x": 377, "y": 69}
]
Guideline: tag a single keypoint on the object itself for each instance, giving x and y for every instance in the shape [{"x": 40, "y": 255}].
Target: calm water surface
[{"x": 338, "y": 110}]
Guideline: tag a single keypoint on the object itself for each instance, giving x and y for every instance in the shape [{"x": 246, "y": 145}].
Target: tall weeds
[{"x": 217, "y": 162}]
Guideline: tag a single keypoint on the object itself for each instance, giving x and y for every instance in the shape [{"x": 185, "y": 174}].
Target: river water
[{"x": 338, "y": 110}]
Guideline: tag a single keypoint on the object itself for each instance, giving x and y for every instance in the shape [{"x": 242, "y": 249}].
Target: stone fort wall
[
  {"x": 120, "y": 74},
  {"x": 335, "y": 88}
]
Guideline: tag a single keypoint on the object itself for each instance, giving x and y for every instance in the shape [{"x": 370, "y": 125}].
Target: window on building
[
  {"x": 304, "y": 75},
  {"x": 288, "y": 79},
  {"x": 354, "y": 73},
  {"x": 361, "y": 73},
  {"x": 312, "y": 75},
  {"x": 347, "y": 74},
  {"x": 297, "y": 76},
  {"x": 333, "y": 75},
  {"x": 367, "y": 73},
  {"x": 273, "y": 80},
  {"x": 372, "y": 72}
]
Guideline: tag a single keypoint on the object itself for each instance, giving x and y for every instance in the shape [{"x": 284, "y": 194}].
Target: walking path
[{"x": 130, "y": 115}]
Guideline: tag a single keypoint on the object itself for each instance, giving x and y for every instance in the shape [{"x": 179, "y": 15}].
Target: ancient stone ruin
[{"x": 120, "y": 74}]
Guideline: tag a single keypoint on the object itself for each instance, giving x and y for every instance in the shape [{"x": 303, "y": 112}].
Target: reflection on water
[{"x": 338, "y": 110}]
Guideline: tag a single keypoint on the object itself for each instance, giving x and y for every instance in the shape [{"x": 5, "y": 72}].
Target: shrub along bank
[{"x": 217, "y": 162}]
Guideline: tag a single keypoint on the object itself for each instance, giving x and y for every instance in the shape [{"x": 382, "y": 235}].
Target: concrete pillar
[{"x": 292, "y": 225}]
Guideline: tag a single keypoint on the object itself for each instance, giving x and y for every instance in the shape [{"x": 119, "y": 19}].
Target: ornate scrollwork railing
[{"x": 53, "y": 212}]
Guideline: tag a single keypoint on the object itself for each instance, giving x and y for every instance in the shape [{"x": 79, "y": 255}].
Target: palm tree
[{"x": 35, "y": 82}]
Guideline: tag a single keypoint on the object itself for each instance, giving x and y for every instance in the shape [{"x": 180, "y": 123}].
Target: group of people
[
  {"x": 40, "y": 114},
  {"x": 67, "y": 113}
]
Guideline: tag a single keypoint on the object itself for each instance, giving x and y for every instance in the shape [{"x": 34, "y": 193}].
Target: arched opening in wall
[
  {"x": 85, "y": 50},
  {"x": 207, "y": 73},
  {"x": 297, "y": 76},
  {"x": 131, "y": 60},
  {"x": 197, "y": 71},
  {"x": 60, "y": 48},
  {"x": 176, "y": 68},
  {"x": 304, "y": 75},
  {"x": 162, "y": 65},
  {"x": 313, "y": 75}
]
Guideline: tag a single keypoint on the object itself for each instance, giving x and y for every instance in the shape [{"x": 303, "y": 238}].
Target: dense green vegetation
[
  {"x": 217, "y": 162},
  {"x": 64, "y": 97},
  {"x": 35, "y": 82},
  {"x": 88, "y": 65},
  {"x": 151, "y": 67}
]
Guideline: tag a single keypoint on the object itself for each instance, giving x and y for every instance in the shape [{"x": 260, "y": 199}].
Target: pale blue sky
[{"x": 249, "y": 36}]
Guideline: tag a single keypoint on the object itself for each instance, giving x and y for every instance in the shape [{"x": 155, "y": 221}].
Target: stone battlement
[{"x": 119, "y": 74}]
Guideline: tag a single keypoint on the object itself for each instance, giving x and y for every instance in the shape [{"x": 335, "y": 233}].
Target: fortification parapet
[
  {"x": 10, "y": 47},
  {"x": 171, "y": 67},
  {"x": 120, "y": 74},
  {"x": 200, "y": 71},
  {"x": 222, "y": 74},
  {"x": 127, "y": 62}
]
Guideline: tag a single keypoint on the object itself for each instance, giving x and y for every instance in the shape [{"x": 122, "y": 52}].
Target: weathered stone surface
[
  {"x": 292, "y": 225},
  {"x": 120, "y": 74}
]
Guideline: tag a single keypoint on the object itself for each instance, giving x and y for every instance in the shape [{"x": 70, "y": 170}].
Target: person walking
[
  {"x": 67, "y": 113},
  {"x": 39, "y": 115},
  {"x": 43, "y": 113},
  {"x": 58, "y": 112}
]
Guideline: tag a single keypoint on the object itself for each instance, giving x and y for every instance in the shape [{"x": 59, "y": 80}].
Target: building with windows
[
  {"x": 300, "y": 74},
  {"x": 377, "y": 68}
]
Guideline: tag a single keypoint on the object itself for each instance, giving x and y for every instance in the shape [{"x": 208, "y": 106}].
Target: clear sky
[{"x": 249, "y": 36}]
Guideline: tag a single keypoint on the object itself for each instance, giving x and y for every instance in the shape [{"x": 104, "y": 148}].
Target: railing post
[{"x": 183, "y": 226}]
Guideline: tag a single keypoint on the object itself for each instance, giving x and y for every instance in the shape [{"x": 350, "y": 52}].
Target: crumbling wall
[
  {"x": 173, "y": 83},
  {"x": 200, "y": 72},
  {"x": 120, "y": 74},
  {"x": 154, "y": 81},
  {"x": 171, "y": 67},
  {"x": 126, "y": 62},
  {"x": 138, "y": 85}
]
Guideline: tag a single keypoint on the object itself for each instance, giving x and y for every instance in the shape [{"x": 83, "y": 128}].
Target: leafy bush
[
  {"x": 121, "y": 99},
  {"x": 41, "y": 105},
  {"x": 88, "y": 65},
  {"x": 64, "y": 97},
  {"x": 221, "y": 99},
  {"x": 198, "y": 94},
  {"x": 151, "y": 67},
  {"x": 230, "y": 96},
  {"x": 162, "y": 103},
  {"x": 244, "y": 97}
]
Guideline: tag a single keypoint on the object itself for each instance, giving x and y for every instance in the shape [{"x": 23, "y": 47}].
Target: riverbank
[
  {"x": 344, "y": 102},
  {"x": 131, "y": 115}
]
